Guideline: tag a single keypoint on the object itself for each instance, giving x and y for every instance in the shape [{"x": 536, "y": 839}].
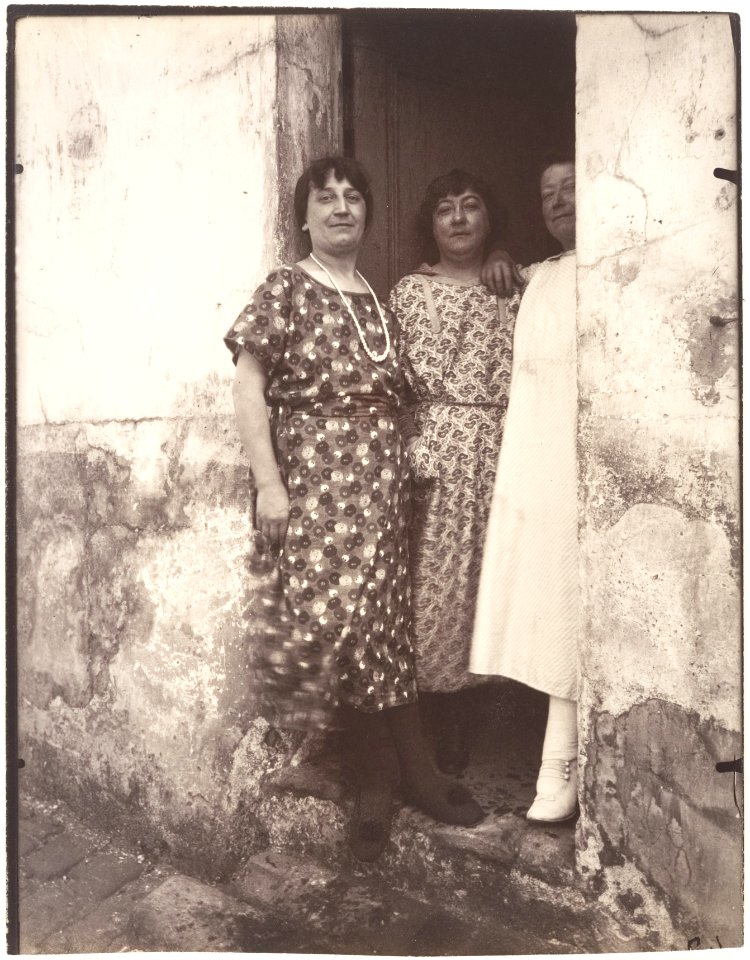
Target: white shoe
[{"x": 556, "y": 792}]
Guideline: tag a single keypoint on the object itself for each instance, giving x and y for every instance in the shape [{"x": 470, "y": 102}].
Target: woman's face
[
  {"x": 461, "y": 225},
  {"x": 336, "y": 215},
  {"x": 558, "y": 186}
]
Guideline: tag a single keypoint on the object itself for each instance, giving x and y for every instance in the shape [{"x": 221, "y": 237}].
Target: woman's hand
[
  {"x": 272, "y": 501},
  {"x": 500, "y": 273},
  {"x": 272, "y": 513},
  {"x": 423, "y": 466}
]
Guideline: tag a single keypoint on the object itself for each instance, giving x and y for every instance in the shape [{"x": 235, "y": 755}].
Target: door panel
[
  {"x": 426, "y": 95},
  {"x": 438, "y": 128}
]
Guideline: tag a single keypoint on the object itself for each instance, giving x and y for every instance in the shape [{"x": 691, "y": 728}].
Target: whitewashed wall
[
  {"x": 146, "y": 206},
  {"x": 659, "y": 461}
]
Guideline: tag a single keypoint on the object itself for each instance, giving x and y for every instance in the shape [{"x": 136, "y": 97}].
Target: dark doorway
[{"x": 426, "y": 91}]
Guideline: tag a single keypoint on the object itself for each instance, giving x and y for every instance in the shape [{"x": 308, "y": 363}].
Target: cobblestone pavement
[
  {"x": 504, "y": 887},
  {"x": 79, "y": 894}
]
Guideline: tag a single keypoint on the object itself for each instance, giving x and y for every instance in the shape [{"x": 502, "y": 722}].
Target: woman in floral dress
[
  {"x": 456, "y": 342},
  {"x": 330, "y": 473}
]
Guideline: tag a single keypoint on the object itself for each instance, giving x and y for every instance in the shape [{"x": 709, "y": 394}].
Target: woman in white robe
[{"x": 527, "y": 619}]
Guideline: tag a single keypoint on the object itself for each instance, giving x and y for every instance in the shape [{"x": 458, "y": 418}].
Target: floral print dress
[
  {"x": 456, "y": 342},
  {"x": 340, "y": 633}
]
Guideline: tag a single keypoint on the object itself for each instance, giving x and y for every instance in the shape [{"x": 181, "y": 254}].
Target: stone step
[
  {"x": 305, "y": 820},
  {"x": 354, "y": 912},
  {"x": 184, "y": 914}
]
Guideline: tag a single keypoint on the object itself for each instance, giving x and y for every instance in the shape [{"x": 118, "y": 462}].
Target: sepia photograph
[{"x": 374, "y": 565}]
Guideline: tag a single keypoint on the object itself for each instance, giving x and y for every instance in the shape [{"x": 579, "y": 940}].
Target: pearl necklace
[{"x": 375, "y": 357}]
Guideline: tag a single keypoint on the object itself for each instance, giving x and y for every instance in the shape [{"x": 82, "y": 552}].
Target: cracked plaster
[
  {"x": 659, "y": 469},
  {"x": 137, "y": 703}
]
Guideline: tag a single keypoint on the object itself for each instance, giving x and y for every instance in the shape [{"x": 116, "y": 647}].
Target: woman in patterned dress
[
  {"x": 331, "y": 476},
  {"x": 456, "y": 341}
]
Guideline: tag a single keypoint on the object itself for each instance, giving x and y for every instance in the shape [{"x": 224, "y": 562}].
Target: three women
[{"x": 332, "y": 475}]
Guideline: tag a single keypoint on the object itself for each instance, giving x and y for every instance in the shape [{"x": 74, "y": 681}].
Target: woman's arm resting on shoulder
[
  {"x": 500, "y": 273},
  {"x": 272, "y": 505}
]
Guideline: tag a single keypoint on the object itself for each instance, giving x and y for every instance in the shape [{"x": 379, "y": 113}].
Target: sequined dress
[{"x": 343, "y": 571}]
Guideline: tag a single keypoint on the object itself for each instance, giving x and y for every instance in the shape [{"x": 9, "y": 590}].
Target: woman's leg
[
  {"x": 420, "y": 783},
  {"x": 453, "y": 746},
  {"x": 368, "y": 742},
  {"x": 557, "y": 784}
]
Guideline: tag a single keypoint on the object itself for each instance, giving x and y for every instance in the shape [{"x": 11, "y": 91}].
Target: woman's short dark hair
[
  {"x": 343, "y": 168},
  {"x": 453, "y": 184},
  {"x": 554, "y": 158}
]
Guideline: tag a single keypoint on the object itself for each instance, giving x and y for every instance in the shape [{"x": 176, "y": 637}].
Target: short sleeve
[
  {"x": 408, "y": 399},
  {"x": 262, "y": 327},
  {"x": 404, "y": 298}
]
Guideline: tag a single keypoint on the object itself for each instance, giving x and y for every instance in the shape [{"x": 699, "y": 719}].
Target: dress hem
[{"x": 533, "y": 686}]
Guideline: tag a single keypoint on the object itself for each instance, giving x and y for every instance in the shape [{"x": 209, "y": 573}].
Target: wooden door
[{"x": 427, "y": 93}]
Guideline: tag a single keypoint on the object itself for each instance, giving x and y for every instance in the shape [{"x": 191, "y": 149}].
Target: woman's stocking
[
  {"x": 561, "y": 734},
  {"x": 452, "y": 722},
  {"x": 421, "y": 785},
  {"x": 368, "y": 745}
]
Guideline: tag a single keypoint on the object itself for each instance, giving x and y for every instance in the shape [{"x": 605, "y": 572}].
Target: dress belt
[{"x": 377, "y": 407}]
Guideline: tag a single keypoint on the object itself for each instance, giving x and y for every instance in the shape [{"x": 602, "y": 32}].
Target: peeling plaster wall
[
  {"x": 659, "y": 464},
  {"x": 147, "y": 210}
]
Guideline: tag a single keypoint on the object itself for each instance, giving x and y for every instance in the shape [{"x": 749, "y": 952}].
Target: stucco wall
[
  {"x": 147, "y": 210},
  {"x": 659, "y": 462}
]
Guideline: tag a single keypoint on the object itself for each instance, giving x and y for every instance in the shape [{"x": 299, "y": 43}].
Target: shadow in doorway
[{"x": 425, "y": 91}]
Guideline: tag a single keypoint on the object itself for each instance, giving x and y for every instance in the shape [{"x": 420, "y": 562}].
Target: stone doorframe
[{"x": 309, "y": 104}]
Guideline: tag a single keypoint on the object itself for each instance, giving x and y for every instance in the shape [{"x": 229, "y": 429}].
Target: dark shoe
[
  {"x": 370, "y": 828},
  {"x": 446, "y": 801}
]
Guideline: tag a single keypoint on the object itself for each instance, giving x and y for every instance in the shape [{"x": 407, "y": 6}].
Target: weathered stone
[
  {"x": 659, "y": 491},
  {"x": 56, "y": 857},
  {"x": 26, "y": 843},
  {"x": 103, "y": 929},
  {"x": 44, "y": 912},
  {"x": 134, "y": 502},
  {"x": 104, "y": 873},
  {"x": 680, "y": 814},
  {"x": 322, "y": 780},
  {"x": 496, "y": 839},
  {"x": 669, "y": 607},
  {"x": 548, "y": 853},
  {"x": 53, "y": 652},
  {"x": 182, "y": 912},
  {"x": 279, "y": 878},
  {"x": 308, "y": 107},
  {"x": 40, "y": 826}
]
